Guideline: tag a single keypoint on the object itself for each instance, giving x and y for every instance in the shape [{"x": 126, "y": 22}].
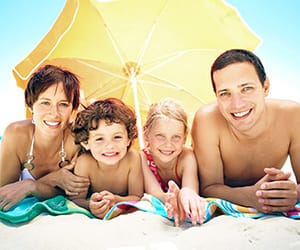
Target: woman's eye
[
  {"x": 45, "y": 103},
  {"x": 64, "y": 104}
]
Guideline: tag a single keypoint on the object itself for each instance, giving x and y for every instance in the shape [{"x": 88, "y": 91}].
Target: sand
[{"x": 142, "y": 230}]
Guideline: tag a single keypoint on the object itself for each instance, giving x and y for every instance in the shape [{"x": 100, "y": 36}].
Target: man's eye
[
  {"x": 248, "y": 88},
  {"x": 223, "y": 94}
]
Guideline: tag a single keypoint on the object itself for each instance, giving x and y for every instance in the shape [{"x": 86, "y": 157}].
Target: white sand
[{"x": 141, "y": 231}]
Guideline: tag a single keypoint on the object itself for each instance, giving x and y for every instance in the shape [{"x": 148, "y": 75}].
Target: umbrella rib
[
  {"x": 147, "y": 42},
  {"x": 102, "y": 70},
  {"x": 176, "y": 55},
  {"x": 112, "y": 39},
  {"x": 169, "y": 84},
  {"x": 111, "y": 90}
]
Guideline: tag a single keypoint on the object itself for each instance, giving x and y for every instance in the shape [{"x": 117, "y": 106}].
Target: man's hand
[{"x": 275, "y": 192}]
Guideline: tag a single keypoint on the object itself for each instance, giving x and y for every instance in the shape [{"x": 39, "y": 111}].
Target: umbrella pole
[{"x": 137, "y": 108}]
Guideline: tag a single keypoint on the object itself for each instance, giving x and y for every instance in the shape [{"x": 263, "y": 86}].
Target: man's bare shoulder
[
  {"x": 284, "y": 108},
  {"x": 209, "y": 113}
]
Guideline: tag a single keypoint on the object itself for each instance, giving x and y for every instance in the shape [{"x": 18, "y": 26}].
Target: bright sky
[{"x": 276, "y": 22}]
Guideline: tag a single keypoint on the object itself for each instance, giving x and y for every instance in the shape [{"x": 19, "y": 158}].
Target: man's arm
[{"x": 205, "y": 135}]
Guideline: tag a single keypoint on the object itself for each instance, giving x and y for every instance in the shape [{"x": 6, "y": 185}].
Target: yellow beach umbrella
[{"x": 140, "y": 50}]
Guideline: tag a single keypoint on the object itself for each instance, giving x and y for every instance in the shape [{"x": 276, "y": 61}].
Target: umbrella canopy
[{"x": 141, "y": 51}]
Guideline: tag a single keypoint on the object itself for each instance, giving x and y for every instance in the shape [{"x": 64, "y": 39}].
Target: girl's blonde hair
[{"x": 166, "y": 108}]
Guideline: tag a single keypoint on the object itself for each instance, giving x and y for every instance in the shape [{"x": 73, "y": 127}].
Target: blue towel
[{"x": 31, "y": 207}]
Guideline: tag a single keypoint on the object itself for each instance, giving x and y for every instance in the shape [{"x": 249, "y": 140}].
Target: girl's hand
[{"x": 193, "y": 205}]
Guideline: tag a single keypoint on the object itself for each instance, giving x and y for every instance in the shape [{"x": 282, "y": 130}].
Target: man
[{"x": 242, "y": 140}]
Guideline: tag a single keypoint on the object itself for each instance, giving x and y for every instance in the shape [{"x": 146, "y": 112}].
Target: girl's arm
[
  {"x": 150, "y": 183},
  {"x": 188, "y": 166}
]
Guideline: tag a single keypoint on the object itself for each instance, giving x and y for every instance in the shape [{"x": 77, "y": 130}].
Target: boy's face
[
  {"x": 108, "y": 143},
  {"x": 240, "y": 95}
]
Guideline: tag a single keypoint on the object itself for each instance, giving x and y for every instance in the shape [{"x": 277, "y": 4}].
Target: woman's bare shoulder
[{"x": 18, "y": 129}]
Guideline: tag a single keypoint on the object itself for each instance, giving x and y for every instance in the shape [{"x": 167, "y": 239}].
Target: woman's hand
[
  {"x": 13, "y": 193},
  {"x": 63, "y": 178}
]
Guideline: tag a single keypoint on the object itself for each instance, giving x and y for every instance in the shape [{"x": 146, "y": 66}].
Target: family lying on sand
[{"x": 239, "y": 145}]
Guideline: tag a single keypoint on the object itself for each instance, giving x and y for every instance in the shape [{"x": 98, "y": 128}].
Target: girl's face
[
  {"x": 108, "y": 143},
  {"x": 166, "y": 138},
  {"x": 52, "y": 111}
]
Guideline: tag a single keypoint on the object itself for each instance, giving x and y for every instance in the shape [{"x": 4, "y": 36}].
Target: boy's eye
[
  {"x": 99, "y": 139},
  {"x": 118, "y": 137}
]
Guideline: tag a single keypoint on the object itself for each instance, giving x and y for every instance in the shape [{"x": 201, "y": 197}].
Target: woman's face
[{"x": 52, "y": 111}]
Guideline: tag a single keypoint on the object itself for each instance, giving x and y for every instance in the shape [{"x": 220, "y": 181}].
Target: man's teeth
[{"x": 241, "y": 114}]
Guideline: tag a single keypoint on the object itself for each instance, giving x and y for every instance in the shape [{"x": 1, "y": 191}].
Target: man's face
[{"x": 240, "y": 95}]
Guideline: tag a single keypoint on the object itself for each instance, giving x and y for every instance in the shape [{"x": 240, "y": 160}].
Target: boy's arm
[
  {"x": 81, "y": 170},
  {"x": 135, "y": 177}
]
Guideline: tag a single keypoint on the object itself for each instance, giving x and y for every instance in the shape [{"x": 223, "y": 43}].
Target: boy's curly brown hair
[{"x": 112, "y": 110}]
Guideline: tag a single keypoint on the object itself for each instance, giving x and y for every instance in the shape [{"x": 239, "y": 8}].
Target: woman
[{"x": 37, "y": 154}]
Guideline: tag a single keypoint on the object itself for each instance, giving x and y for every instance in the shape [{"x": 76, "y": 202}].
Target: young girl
[
  {"x": 105, "y": 131},
  {"x": 168, "y": 164}
]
